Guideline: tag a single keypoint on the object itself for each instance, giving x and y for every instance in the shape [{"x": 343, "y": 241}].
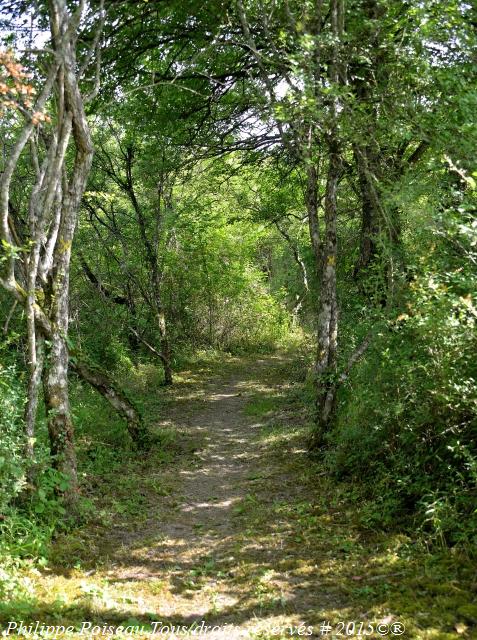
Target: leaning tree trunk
[{"x": 117, "y": 399}]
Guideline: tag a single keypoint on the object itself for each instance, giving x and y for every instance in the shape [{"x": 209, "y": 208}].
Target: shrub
[
  {"x": 411, "y": 436},
  {"x": 12, "y": 462}
]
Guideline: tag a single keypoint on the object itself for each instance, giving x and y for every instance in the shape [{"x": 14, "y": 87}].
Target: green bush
[
  {"x": 27, "y": 524},
  {"x": 12, "y": 462},
  {"x": 410, "y": 437}
]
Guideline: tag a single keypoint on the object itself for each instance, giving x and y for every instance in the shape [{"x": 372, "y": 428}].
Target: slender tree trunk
[
  {"x": 55, "y": 380},
  {"x": 380, "y": 227},
  {"x": 302, "y": 266},
  {"x": 325, "y": 366},
  {"x": 132, "y": 335},
  {"x": 370, "y": 218},
  {"x": 41, "y": 202},
  {"x": 34, "y": 385},
  {"x": 35, "y": 357},
  {"x": 155, "y": 300},
  {"x": 165, "y": 347},
  {"x": 60, "y": 425}
]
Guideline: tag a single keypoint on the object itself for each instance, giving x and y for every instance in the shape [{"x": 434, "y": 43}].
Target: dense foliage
[
  {"x": 12, "y": 463},
  {"x": 417, "y": 447}
]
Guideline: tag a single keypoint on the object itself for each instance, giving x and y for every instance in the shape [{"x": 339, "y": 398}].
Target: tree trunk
[
  {"x": 36, "y": 352},
  {"x": 117, "y": 399},
  {"x": 302, "y": 266},
  {"x": 152, "y": 255},
  {"x": 370, "y": 218},
  {"x": 165, "y": 347},
  {"x": 133, "y": 341},
  {"x": 58, "y": 185},
  {"x": 325, "y": 366},
  {"x": 60, "y": 425},
  {"x": 380, "y": 227},
  {"x": 55, "y": 380}
]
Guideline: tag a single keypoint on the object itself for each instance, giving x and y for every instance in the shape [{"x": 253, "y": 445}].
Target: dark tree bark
[
  {"x": 302, "y": 266},
  {"x": 123, "y": 300},
  {"x": 370, "y": 217},
  {"x": 151, "y": 248}
]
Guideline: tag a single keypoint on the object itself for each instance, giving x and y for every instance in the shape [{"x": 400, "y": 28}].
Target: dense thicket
[{"x": 263, "y": 173}]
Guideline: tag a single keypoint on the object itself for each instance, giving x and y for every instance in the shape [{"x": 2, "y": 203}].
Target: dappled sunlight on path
[{"x": 237, "y": 529}]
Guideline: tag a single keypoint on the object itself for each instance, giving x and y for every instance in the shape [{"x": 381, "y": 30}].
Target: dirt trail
[
  {"x": 227, "y": 523},
  {"x": 207, "y": 555}
]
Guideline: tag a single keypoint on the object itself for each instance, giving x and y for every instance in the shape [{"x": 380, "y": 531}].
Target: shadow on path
[{"x": 238, "y": 532}]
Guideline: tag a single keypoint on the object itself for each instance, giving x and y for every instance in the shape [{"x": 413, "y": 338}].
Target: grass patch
[{"x": 263, "y": 405}]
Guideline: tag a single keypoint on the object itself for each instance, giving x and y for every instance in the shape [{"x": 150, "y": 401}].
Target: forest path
[
  {"x": 217, "y": 550},
  {"x": 228, "y": 524}
]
